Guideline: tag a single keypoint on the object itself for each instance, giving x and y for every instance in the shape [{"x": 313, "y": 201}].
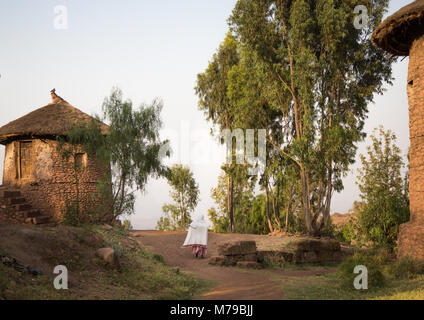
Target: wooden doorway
[{"x": 25, "y": 159}]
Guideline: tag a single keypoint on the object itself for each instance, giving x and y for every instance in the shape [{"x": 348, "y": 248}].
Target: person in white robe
[{"x": 197, "y": 237}]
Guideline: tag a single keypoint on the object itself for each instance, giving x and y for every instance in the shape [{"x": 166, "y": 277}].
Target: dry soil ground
[{"x": 230, "y": 283}]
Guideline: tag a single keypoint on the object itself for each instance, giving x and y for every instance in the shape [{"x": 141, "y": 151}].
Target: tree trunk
[
  {"x": 122, "y": 196},
  {"x": 268, "y": 215},
  {"x": 276, "y": 206},
  {"x": 183, "y": 213},
  {"x": 287, "y": 216},
  {"x": 231, "y": 206},
  {"x": 310, "y": 226}
]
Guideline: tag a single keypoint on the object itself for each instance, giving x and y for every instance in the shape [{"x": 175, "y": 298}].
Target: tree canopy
[{"x": 302, "y": 71}]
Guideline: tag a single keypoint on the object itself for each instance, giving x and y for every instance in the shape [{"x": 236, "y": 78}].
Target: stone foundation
[{"x": 411, "y": 241}]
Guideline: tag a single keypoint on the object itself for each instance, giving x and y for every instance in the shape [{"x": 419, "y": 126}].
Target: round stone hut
[
  {"x": 402, "y": 34},
  {"x": 37, "y": 180}
]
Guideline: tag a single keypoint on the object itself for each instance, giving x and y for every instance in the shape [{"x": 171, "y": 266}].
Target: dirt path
[{"x": 231, "y": 283}]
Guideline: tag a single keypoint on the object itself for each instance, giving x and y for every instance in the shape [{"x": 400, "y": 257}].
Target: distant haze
[{"x": 148, "y": 49}]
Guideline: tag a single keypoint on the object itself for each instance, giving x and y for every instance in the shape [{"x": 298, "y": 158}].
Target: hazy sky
[{"x": 149, "y": 49}]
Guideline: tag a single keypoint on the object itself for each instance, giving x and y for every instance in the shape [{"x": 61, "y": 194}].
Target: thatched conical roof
[
  {"x": 56, "y": 119},
  {"x": 397, "y": 32}
]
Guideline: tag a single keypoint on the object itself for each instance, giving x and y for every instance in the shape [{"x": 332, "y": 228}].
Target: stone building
[
  {"x": 37, "y": 181},
  {"x": 402, "y": 34}
]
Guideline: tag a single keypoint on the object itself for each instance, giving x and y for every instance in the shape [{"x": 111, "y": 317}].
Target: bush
[
  {"x": 406, "y": 268},
  {"x": 159, "y": 258},
  {"x": 371, "y": 261},
  {"x": 330, "y": 230},
  {"x": 384, "y": 192},
  {"x": 346, "y": 233},
  {"x": 127, "y": 225},
  {"x": 71, "y": 214}
]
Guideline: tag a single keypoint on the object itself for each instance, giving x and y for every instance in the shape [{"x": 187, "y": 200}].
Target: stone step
[
  {"x": 31, "y": 214},
  {"x": 10, "y": 194},
  {"x": 17, "y": 200},
  {"x": 41, "y": 220},
  {"x": 23, "y": 207}
]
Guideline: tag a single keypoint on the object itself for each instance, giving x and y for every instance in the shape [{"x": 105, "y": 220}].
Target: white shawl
[{"x": 197, "y": 233}]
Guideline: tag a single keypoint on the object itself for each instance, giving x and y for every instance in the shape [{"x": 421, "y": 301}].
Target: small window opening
[
  {"x": 411, "y": 82},
  {"x": 81, "y": 160}
]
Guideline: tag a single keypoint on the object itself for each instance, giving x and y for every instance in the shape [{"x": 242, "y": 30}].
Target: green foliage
[
  {"x": 185, "y": 194},
  {"x": 385, "y": 200},
  {"x": 371, "y": 261},
  {"x": 406, "y": 268}
]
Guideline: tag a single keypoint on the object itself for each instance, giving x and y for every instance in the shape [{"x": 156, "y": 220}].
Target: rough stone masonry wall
[
  {"x": 411, "y": 236},
  {"x": 52, "y": 181},
  {"x": 416, "y": 128}
]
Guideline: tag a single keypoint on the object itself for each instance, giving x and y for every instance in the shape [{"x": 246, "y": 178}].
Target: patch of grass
[
  {"x": 326, "y": 287},
  {"x": 158, "y": 258},
  {"x": 331, "y": 286},
  {"x": 406, "y": 268},
  {"x": 21, "y": 286}
]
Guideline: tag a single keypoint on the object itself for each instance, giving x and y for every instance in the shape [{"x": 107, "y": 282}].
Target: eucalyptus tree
[
  {"x": 211, "y": 88},
  {"x": 319, "y": 74}
]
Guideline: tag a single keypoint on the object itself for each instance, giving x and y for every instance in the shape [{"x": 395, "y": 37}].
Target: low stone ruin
[
  {"x": 312, "y": 250},
  {"x": 304, "y": 250},
  {"x": 237, "y": 253}
]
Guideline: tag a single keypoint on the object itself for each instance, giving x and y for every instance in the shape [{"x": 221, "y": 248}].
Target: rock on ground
[{"x": 108, "y": 255}]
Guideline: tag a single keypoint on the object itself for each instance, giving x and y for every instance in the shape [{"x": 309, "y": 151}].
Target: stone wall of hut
[
  {"x": 411, "y": 233},
  {"x": 416, "y": 126},
  {"x": 52, "y": 181}
]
